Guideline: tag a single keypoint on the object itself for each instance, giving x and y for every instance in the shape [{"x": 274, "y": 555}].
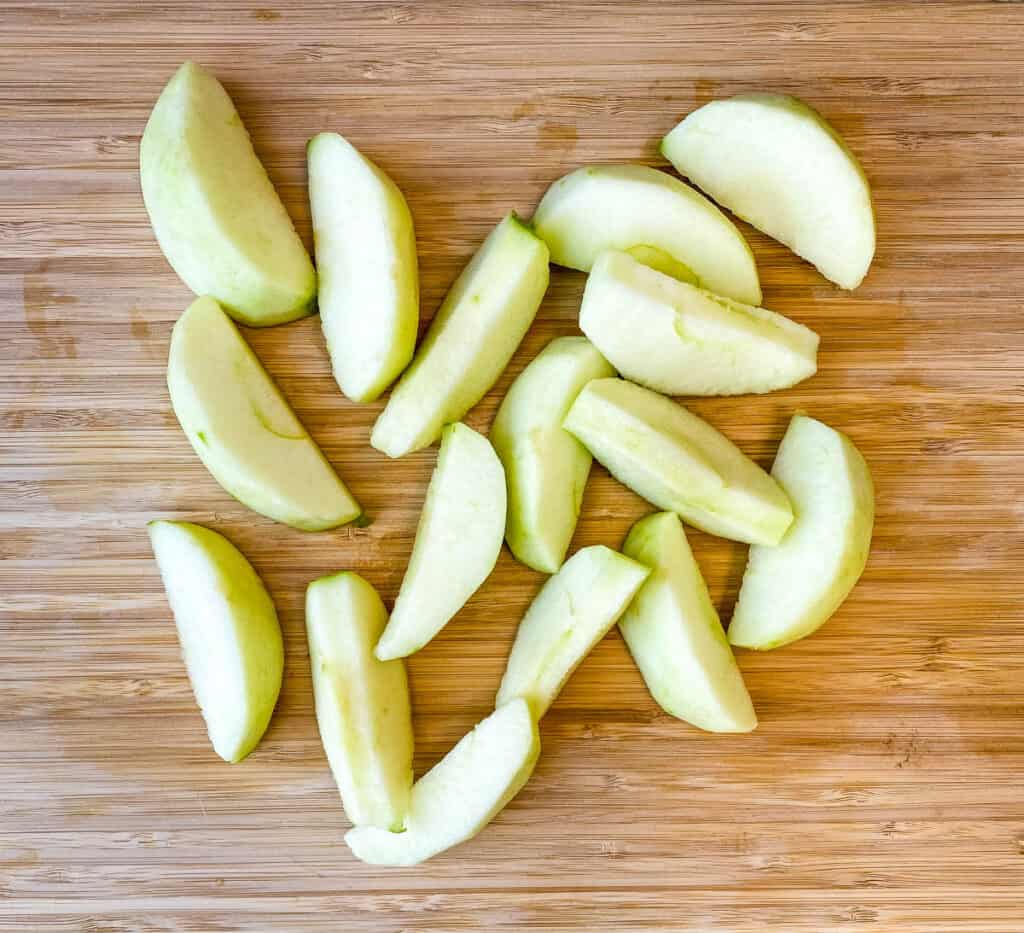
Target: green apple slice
[
  {"x": 462, "y": 793},
  {"x": 573, "y": 611},
  {"x": 674, "y": 634},
  {"x": 457, "y": 542},
  {"x": 362, "y": 704},
  {"x": 215, "y": 213},
  {"x": 366, "y": 262},
  {"x": 791, "y": 590},
  {"x": 682, "y": 340},
  {"x": 624, "y": 206},
  {"x": 228, "y": 629},
  {"x": 546, "y": 468},
  {"x": 471, "y": 339},
  {"x": 678, "y": 462},
  {"x": 777, "y": 163},
  {"x": 243, "y": 429}
]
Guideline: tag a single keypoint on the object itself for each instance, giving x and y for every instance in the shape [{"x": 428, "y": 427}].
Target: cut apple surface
[
  {"x": 682, "y": 340},
  {"x": 215, "y": 213},
  {"x": 789, "y": 591},
  {"x": 229, "y": 633},
  {"x": 678, "y": 462},
  {"x": 462, "y": 793},
  {"x": 777, "y": 163},
  {"x": 243, "y": 428}
]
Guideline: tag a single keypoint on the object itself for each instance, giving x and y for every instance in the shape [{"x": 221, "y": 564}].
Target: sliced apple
[
  {"x": 789, "y": 591},
  {"x": 471, "y": 339},
  {"x": 674, "y": 634},
  {"x": 678, "y": 462},
  {"x": 777, "y": 163},
  {"x": 228, "y": 629},
  {"x": 624, "y": 206},
  {"x": 243, "y": 428},
  {"x": 462, "y": 793},
  {"x": 215, "y": 213},
  {"x": 682, "y": 340}
]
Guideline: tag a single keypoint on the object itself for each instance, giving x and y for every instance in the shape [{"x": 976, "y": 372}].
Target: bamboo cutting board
[{"x": 883, "y": 788}]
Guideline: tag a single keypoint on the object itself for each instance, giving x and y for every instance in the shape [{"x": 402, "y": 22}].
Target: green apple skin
[
  {"x": 573, "y": 611},
  {"x": 470, "y": 341},
  {"x": 366, "y": 263},
  {"x": 604, "y": 207},
  {"x": 546, "y": 468},
  {"x": 243, "y": 429},
  {"x": 228, "y": 629},
  {"x": 462, "y": 793},
  {"x": 681, "y": 340},
  {"x": 678, "y": 462},
  {"x": 777, "y": 163},
  {"x": 790, "y": 591},
  {"x": 457, "y": 541},
  {"x": 215, "y": 213},
  {"x": 675, "y": 637},
  {"x": 362, "y": 704}
]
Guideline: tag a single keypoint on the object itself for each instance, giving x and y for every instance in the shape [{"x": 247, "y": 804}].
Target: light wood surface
[{"x": 883, "y": 788}]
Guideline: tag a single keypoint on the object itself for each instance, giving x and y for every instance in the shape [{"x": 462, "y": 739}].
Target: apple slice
[
  {"x": 776, "y": 163},
  {"x": 546, "y": 468},
  {"x": 215, "y": 213},
  {"x": 366, "y": 261},
  {"x": 457, "y": 542},
  {"x": 471, "y": 339},
  {"x": 625, "y": 206},
  {"x": 462, "y": 793},
  {"x": 243, "y": 429},
  {"x": 229, "y": 633},
  {"x": 674, "y": 635},
  {"x": 789, "y": 591},
  {"x": 682, "y": 340},
  {"x": 678, "y": 462},
  {"x": 572, "y": 613}
]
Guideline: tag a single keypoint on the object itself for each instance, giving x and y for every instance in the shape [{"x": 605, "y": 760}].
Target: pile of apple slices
[{"x": 672, "y": 306}]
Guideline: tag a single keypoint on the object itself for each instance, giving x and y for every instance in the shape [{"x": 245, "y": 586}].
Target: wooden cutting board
[{"x": 883, "y": 788}]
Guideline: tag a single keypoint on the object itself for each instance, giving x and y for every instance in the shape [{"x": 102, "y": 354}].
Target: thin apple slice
[
  {"x": 777, "y": 163},
  {"x": 625, "y": 206},
  {"x": 362, "y": 704},
  {"x": 215, "y": 213},
  {"x": 462, "y": 793},
  {"x": 457, "y": 542},
  {"x": 674, "y": 634},
  {"x": 243, "y": 428},
  {"x": 546, "y": 468},
  {"x": 682, "y": 340},
  {"x": 790, "y": 591},
  {"x": 471, "y": 339},
  {"x": 678, "y": 462},
  {"x": 228, "y": 629},
  {"x": 572, "y": 613}
]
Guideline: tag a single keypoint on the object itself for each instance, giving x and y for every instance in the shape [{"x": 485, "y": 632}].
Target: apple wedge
[
  {"x": 789, "y": 591},
  {"x": 215, "y": 213},
  {"x": 366, "y": 263},
  {"x": 228, "y": 629},
  {"x": 678, "y": 462},
  {"x": 471, "y": 339},
  {"x": 546, "y": 468},
  {"x": 777, "y": 163},
  {"x": 243, "y": 428},
  {"x": 682, "y": 340},
  {"x": 573, "y": 611},
  {"x": 674, "y": 634},
  {"x": 457, "y": 542},
  {"x": 462, "y": 793},
  {"x": 624, "y": 206}
]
